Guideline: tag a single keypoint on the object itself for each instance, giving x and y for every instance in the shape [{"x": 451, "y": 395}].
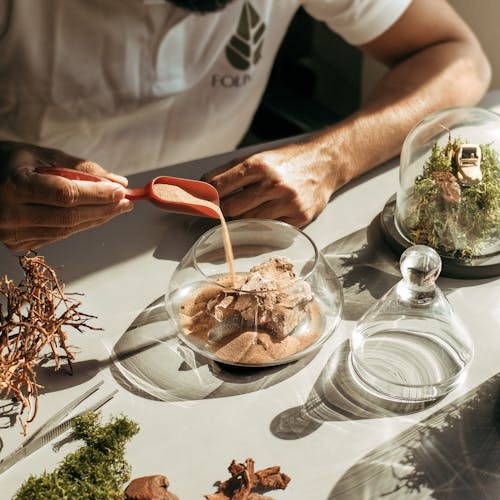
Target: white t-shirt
[{"x": 139, "y": 84}]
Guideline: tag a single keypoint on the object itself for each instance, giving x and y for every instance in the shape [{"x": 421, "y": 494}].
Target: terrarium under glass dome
[{"x": 449, "y": 191}]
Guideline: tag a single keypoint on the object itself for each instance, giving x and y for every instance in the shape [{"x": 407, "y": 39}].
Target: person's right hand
[{"x": 36, "y": 209}]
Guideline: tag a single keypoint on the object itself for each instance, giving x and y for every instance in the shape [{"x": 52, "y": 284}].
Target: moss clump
[
  {"x": 460, "y": 229},
  {"x": 95, "y": 471}
]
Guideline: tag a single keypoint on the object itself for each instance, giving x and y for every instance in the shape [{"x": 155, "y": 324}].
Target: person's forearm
[{"x": 441, "y": 76}]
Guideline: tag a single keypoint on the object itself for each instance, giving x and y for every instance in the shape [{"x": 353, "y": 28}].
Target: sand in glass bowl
[{"x": 283, "y": 303}]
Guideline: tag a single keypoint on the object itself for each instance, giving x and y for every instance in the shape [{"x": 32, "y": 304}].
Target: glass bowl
[
  {"x": 449, "y": 191},
  {"x": 285, "y": 302}
]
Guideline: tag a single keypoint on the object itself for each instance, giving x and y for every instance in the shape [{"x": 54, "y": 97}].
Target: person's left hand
[{"x": 292, "y": 184}]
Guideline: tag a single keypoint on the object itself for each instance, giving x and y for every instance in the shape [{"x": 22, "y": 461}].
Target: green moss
[
  {"x": 95, "y": 471},
  {"x": 459, "y": 230}
]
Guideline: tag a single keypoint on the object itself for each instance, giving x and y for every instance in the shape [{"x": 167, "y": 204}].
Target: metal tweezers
[{"x": 54, "y": 427}]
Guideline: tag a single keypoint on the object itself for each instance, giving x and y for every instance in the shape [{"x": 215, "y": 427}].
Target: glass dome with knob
[
  {"x": 449, "y": 192},
  {"x": 410, "y": 345}
]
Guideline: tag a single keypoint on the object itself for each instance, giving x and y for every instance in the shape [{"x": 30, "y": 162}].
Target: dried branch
[
  {"x": 247, "y": 484},
  {"x": 32, "y": 317}
]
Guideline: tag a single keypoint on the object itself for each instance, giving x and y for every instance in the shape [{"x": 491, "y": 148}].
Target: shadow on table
[
  {"x": 150, "y": 361},
  {"x": 336, "y": 396},
  {"x": 451, "y": 455},
  {"x": 9, "y": 411},
  {"x": 367, "y": 268},
  {"x": 51, "y": 380}
]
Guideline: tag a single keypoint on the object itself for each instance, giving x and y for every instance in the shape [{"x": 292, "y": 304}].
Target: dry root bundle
[{"x": 32, "y": 317}]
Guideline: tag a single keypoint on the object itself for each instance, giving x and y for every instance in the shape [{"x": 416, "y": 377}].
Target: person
[{"x": 120, "y": 86}]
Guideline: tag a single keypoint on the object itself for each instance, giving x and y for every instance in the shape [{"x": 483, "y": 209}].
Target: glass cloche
[
  {"x": 449, "y": 191},
  {"x": 411, "y": 345}
]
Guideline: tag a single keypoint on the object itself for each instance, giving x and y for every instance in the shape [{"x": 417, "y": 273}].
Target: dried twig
[
  {"x": 32, "y": 316},
  {"x": 247, "y": 484}
]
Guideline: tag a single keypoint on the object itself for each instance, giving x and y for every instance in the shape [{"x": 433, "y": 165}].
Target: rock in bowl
[{"x": 284, "y": 302}]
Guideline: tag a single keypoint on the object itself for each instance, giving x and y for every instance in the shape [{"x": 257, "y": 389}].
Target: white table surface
[{"x": 195, "y": 417}]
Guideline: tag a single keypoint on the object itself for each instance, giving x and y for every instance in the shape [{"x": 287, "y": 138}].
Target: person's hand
[
  {"x": 292, "y": 184},
  {"x": 36, "y": 209}
]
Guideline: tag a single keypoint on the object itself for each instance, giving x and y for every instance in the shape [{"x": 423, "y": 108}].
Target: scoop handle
[{"x": 141, "y": 193}]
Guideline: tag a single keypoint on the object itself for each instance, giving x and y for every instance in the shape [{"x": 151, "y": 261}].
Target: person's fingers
[
  {"x": 36, "y": 208},
  {"x": 49, "y": 216},
  {"x": 237, "y": 177},
  {"x": 25, "y": 246},
  {"x": 31, "y": 238},
  {"x": 50, "y": 156},
  {"x": 273, "y": 209},
  {"x": 95, "y": 169},
  {"x": 282, "y": 209},
  {"x": 35, "y": 156},
  {"x": 248, "y": 199},
  {"x": 47, "y": 189},
  {"x": 208, "y": 176}
]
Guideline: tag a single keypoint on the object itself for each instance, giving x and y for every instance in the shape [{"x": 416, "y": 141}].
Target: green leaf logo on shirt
[{"x": 245, "y": 46}]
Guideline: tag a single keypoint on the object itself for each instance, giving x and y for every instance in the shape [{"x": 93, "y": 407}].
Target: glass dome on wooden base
[{"x": 449, "y": 192}]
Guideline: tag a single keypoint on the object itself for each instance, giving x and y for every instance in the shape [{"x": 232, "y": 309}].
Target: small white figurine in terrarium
[{"x": 469, "y": 164}]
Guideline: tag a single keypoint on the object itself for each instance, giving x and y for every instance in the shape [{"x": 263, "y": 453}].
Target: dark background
[{"x": 316, "y": 81}]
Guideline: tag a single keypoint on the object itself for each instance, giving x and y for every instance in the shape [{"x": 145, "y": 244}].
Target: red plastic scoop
[{"x": 173, "y": 194}]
